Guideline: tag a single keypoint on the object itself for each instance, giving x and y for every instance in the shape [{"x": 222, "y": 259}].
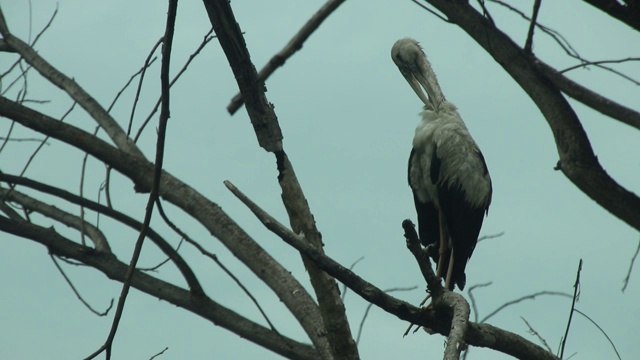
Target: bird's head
[{"x": 416, "y": 69}]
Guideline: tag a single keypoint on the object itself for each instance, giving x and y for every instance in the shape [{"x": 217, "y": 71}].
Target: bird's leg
[
  {"x": 449, "y": 271},
  {"x": 442, "y": 250}
]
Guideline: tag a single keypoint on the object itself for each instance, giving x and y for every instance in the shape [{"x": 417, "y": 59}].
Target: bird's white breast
[{"x": 461, "y": 163}]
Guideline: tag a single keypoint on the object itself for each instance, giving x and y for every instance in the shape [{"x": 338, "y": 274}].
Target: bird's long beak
[{"x": 415, "y": 82}]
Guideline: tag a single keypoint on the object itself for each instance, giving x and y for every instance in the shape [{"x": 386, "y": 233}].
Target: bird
[{"x": 447, "y": 172}]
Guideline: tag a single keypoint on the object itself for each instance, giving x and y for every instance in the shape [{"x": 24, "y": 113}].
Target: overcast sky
[{"x": 348, "y": 118}]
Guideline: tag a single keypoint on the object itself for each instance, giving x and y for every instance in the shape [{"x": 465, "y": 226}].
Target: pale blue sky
[{"x": 348, "y": 118}]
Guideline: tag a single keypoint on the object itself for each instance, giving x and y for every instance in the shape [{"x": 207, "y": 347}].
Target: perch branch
[{"x": 482, "y": 335}]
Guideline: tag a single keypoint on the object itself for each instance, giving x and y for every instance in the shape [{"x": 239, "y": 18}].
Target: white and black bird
[{"x": 447, "y": 172}]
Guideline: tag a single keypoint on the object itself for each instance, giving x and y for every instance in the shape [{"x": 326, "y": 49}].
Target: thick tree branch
[
  {"x": 589, "y": 97},
  {"x": 260, "y": 111},
  {"x": 199, "y": 305},
  {"x": 267, "y": 129},
  {"x": 628, "y": 14},
  {"x": 291, "y": 48},
  {"x": 577, "y": 160},
  {"x": 209, "y": 214}
]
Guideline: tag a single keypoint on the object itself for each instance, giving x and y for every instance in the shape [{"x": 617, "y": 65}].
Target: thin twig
[
  {"x": 158, "y": 354},
  {"x": 155, "y": 188},
  {"x": 476, "y": 314},
  {"x": 555, "y": 35},
  {"x": 291, "y": 48},
  {"x": 366, "y": 312},
  {"x": 601, "y": 330},
  {"x": 215, "y": 259},
  {"x": 527, "y": 297},
  {"x": 576, "y": 294},
  {"x": 86, "y": 304},
  {"x": 126, "y": 85},
  {"x": 600, "y": 62},
  {"x": 433, "y": 12},
  {"x": 344, "y": 287},
  {"x": 528, "y": 46},
  {"x": 143, "y": 71},
  {"x": 155, "y": 268},
  {"x": 533, "y": 332},
  {"x": 633, "y": 260},
  {"x": 207, "y": 38}
]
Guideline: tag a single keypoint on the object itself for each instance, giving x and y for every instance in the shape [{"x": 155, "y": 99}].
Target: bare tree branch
[
  {"x": 199, "y": 305},
  {"x": 576, "y": 293},
  {"x": 77, "y": 93},
  {"x": 31, "y": 204},
  {"x": 158, "y": 240},
  {"x": 627, "y": 14},
  {"x": 577, "y": 160},
  {"x": 84, "y": 302},
  {"x": 528, "y": 46},
  {"x": 482, "y": 335},
  {"x": 291, "y": 48},
  {"x": 207, "y": 38},
  {"x": 267, "y": 129},
  {"x": 209, "y": 214},
  {"x": 533, "y": 332},
  {"x": 601, "y": 330},
  {"x": 633, "y": 260}
]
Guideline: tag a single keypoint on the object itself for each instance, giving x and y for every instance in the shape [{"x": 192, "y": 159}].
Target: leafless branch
[
  {"x": 518, "y": 300},
  {"x": 126, "y": 85},
  {"x": 215, "y": 259},
  {"x": 158, "y": 354},
  {"x": 209, "y": 214},
  {"x": 633, "y": 260},
  {"x": 577, "y": 159},
  {"x": 528, "y": 46},
  {"x": 32, "y": 205},
  {"x": 601, "y": 330},
  {"x": 366, "y": 312},
  {"x": 555, "y": 35},
  {"x": 533, "y": 332},
  {"x": 576, "y": 294},
  {"x": 146, "y": 64},
  {"x": 482, "y": 335},
  {"x": 433, "y": 12},
  {"x": 160, "y": 242},
  {"x": 629, "y": 15},
  {"x": 155, "y": 187},
  {"x": 344, "y": 287},
  {"x": 199, "y": 305},
  {"x": 86, "y": 304},
  {"x": 476, "y": 314},
  {"x": 291, "y": 48},
  {"x": 267, "y": 130},
  {"x": 207, "y": 38},
  {"x": 156, "y": 267},
  {"x": 76, "y": 92}
]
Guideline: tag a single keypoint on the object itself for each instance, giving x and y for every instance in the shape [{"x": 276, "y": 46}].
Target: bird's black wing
[
  {"x": 428, "y": 223},
  {"x": 463, "y": 220}
]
